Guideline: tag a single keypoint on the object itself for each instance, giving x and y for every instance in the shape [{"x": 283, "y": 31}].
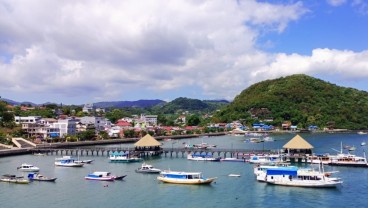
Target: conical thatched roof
[
  {"x": 297, "y": 143},
  {"x": 147, "y": 141}
]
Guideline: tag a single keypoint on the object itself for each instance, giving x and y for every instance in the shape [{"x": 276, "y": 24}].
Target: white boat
[
  {"x": 297, "y": 178},
  {"x": 268, "y": 139},
  {"x": 39, "y": 177},
  {"x": 177, "y": 177},
  {"x": 100, "y": 176},
  {"x": 234, "y": 175},
  {"x": 232, "y": 159},
  {"x": 263, "y": 159},
  {"x": 362, "y": 132},
  {"x": 349, "y": 160},
  {"x": 28, "y": 168},
  {"x": 123, "y": 158},
  {"x": 84, "y": 161},
  {"x": 67, "y": 161},
  {"x": 320, "y": 158},
  {"x": 260, "y": 171},
  {"x": 363, "y": 144},
  {"x": 203, "y": 157},
  {"x": 39, "y": 154},
  {"x": 145, "y": 168},
  {"x": 204, "y": 145}
]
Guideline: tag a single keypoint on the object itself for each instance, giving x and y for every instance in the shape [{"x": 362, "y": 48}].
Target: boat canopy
[
  {"x": 116, "y": 153},
  {"x": 283, "y": 171}
]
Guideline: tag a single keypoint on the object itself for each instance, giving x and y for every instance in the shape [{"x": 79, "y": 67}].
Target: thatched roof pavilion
[
  {"x": 298, "y": 145},
  {"x": 147, "y": 141}
]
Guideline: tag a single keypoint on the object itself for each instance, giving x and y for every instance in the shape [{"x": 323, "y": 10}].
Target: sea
[{"x": 144, "y": 190}]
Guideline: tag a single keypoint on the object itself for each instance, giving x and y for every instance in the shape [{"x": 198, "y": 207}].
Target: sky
[{"x": 87, "y": 51}]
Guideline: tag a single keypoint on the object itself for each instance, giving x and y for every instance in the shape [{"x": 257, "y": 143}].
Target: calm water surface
[{"x": 141, "y": 190}]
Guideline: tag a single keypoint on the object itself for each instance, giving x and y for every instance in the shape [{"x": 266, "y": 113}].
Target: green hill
[
  {"x": 303, "y": 100},
  {"x": 193, "y": 105}
]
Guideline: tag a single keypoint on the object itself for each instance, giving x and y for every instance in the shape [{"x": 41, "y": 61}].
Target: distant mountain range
[{"x": 136, "y": 104}]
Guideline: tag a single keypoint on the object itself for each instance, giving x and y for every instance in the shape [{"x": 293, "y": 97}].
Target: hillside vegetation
[{"x": 303, "y": 100}]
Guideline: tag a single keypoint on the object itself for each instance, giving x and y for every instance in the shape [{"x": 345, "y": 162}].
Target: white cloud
[
  {"x": 105, "y": 50},
  {"x": 336, "y": 2}
]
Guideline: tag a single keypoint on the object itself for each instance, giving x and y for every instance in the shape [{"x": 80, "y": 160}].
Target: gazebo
[
  {"x": 147, "y": 143},
  {"x": 298, "y": 145}
]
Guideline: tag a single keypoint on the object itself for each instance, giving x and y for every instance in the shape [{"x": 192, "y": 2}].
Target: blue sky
[{"x": 76, "y": 52}]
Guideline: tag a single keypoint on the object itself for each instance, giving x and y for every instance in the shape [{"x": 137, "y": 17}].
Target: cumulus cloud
[{"x": 105, "y": 50}]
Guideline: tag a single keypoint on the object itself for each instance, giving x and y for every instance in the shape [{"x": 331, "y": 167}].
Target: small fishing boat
[
  {"x": 362, "y": 144},
  {"x": 353, "y": 148},
  {"x": 28, "y": 168},
  {"x": 100, "y": 176},
  {"x": 145, "y": 168},
  {"x": 39, "y": 177},
  {"x": 39, "y": 154},
  {"x": 362, "y": 133},
  {"x": 176, "y": 177},
  {"x": 67, "y": 161},
  {"x": 14, "y": 179}
]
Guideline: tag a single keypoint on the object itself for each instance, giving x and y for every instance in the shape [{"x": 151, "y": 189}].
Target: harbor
[{"x": 242, "y": 190}]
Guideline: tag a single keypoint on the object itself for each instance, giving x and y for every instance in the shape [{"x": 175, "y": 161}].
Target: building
[
  {"x": 66, "y": 127},
  {"x": 150, "y": 120},
  {"x": 28, "y": 119},
  {"x": 88, "y": 108},
  {"x": 99, "y": 123}
]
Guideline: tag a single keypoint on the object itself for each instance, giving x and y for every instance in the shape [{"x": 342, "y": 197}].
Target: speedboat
[
  {"x": 176, "y": 177},
  {"x": 100, "y": 176},
  {"x": 28, "y": 168},
  {"x": 84, "y": 161},
  {"x": 363, "y": 144},
  {"x": 39, "y": 177},
  {"x": 203, "y": 157},
  {"x": 123, "y": 157},
  {"x": 67, "y": 161},
  {"x": 14, "y": 179},
  {"x": 145, "y": 168}
]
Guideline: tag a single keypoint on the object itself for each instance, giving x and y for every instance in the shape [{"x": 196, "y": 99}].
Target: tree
[{"x": 193, "y": 120}]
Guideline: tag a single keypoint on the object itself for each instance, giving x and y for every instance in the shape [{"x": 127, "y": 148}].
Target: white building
[
  {"x": 150, "y": 120},
  {"x": 88, "y": 108},
  {"x": 66, "y": 127},
  {"x": 100, "y": 123},
  {"x": 28, "y": 119}
]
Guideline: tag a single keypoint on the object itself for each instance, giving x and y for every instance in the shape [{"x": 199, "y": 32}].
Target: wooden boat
[
  {"x": 39, "y": 177},
  {"x": 193, "y": 178},
  {"x": 28, "y": 168},
  {"x": 14, "y": 179},
  {"x": 145, "y": 168}
]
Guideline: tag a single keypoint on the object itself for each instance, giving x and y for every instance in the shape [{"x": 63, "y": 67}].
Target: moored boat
[
  {"x": 263, "y": 159},
  {"x": 203, "y": 157},
  {"x": 100, "y": 176},
  {"x": 297, "y": 178},
  {"x": 349, "y": 160},
  {"x": 145, "y": 168},
  {"x": 192, "y": 178},
  {"x": 14, "y": 179},
  {"x": 232, "y": 159},
  {"x": 28, "y": 168},
  {"x": 123, "y": 158},
  {"x": 67, "y": 161},
  {"x": 39, "y": 177}
]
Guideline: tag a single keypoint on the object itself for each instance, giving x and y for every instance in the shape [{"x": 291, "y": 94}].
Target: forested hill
[
  {"x": 303, "y": 100},
  {"x": 192, "y": 105}
]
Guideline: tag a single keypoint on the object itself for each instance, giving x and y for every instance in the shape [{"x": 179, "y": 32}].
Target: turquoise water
[{"x": 142, "y": 190}]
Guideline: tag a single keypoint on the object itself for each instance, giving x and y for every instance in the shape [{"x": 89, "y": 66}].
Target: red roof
[{"x": 123, "y": 123}]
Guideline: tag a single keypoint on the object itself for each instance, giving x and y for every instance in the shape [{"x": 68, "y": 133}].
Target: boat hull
[
  {"x": 306, "y": 184},
  {"x": 349, "y": 164},
  {"x": 186, "y": 181},
  {"x": 100, "y": 179}
]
